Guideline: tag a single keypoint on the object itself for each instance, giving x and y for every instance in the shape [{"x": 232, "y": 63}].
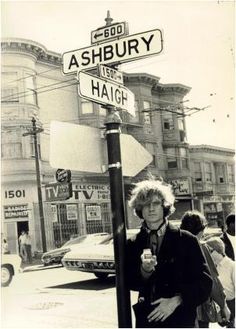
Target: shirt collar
[{"x": 161, "y": 230}]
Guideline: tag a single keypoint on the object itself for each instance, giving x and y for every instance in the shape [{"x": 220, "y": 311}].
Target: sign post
[{"x": 112, "y": 123}]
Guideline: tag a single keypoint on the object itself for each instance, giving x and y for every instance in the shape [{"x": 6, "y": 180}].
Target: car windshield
[
  {"x": 129, "y": 234},
  {"x": 87, "y": 238}
]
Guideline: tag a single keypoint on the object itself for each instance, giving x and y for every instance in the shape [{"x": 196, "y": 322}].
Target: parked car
[
  {"x": 10, "y": 265},
  {"x": 99, "y": 260},
  {"x": 54, "y": 256}
]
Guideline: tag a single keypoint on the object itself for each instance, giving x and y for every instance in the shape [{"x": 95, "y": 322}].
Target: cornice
[
  {"x": 33, "y": 48},
  {"x": 211, "y": 149}
]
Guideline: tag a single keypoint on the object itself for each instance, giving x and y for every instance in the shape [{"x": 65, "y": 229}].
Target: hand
[
  {"x": 165, "y": 308},
  {"x": 148, "y": 264},
  {"x": 225, "y": 313}
]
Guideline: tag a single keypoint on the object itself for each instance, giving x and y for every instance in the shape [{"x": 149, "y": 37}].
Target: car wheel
[
  {"x": 6, "y": 275},
  {"x": 101, "y": 276}
]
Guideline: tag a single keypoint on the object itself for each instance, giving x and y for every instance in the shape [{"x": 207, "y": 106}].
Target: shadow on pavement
[{"x": 94, "y": 284}]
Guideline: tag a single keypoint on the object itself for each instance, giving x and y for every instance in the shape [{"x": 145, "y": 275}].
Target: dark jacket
[
  {"x": 229, "y": 251},
  {"x": 181, "y": 269}
]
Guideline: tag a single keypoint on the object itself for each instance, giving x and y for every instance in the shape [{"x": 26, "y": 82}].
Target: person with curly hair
[{"x": 163, "y": 263}]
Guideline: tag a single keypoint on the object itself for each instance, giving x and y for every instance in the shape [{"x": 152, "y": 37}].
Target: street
[{"x": 58, "y": 298}]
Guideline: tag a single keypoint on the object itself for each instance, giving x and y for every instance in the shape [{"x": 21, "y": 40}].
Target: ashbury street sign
[
  {"x": 125, "y": 49},
  {"x": 106, "y": 92},
  {"x": 81, "y": 148}
]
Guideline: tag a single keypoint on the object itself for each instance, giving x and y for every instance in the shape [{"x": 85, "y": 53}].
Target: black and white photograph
[{"x": 117, "y": 164}]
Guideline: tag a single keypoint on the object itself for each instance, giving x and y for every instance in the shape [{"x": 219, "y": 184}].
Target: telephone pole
[{"x": 34, "y": 133}]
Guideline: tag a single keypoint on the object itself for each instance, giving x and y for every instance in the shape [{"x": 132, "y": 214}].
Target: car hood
[
  {"x": 58, "y": 251},
  {"x": 91, "y": 252}
]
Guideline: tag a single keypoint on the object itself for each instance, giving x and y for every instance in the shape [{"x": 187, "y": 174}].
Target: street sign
[
  {"x": 110, "y": 74},
  {"x": 84, "y": 150},
  {"x": 136, "y": 46},
  {"x": 109, "y": 32},
  {"x": 63, "y": 175},
  {"x": 58, "y": 191},
  {"x": 105, "y": 92}
]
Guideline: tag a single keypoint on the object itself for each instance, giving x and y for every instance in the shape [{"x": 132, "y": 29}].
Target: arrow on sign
[{"x": 81, "y": 148}]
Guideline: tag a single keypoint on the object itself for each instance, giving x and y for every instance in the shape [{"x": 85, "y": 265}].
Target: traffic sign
[
  {"x": 105, "y": 92},
  {"x": 58, "y": 191},
  {"x": 125, "y": 49},
  {"x": 110, "y": 74},
  {"x": 84, "y": 150},
  {"x": 109, "y": 32},
  {"x": 63, "y": 175}
]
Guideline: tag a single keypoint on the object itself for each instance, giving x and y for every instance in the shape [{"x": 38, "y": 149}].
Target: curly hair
[
  {"x": 193, "y": 221},
  {"x": 143, "y": 193}
]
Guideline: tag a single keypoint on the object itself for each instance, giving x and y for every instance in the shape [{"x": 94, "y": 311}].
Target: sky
[{"x": 199, "y": 48}]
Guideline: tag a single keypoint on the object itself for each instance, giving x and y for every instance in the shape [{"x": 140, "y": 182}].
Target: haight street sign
[
  {"x": 122, "y": 50},
  {"x": 105, "y": 92},
  {"x": 109, "y": 32}
]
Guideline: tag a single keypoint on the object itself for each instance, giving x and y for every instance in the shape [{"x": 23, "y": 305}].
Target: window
[
  {"x": 150, "y": 147},
  {"x": 183, "y": 155},
  {"x": 30, "y": 92},
  {"x": 208, "y": 173},
  {"x": 86, "y": 106},
  {"x": 102, "y": 111},
  {"x": 147, "y": 115},
  {"x": 171, "y": 158},
  {"x": 9, "y": 89},
  {"x": 231, "y": 173},
  {"x": 221, "y": 173},
  {"x": 197, "y": 172},
  {"x": 168, "y": 122},
  {"x": 11, "y": 147},
  {"x": 182, "y": 133},
  {"x": 136, "y": 118}
]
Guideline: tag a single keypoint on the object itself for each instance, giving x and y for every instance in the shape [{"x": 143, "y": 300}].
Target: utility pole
[
  {"x": 112, "y": 124},
  {"x": 34, "y": 133}
]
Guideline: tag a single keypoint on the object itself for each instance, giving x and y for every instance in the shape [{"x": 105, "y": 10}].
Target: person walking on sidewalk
[
  {"x": 163, "y": 263},
  {"x": 226, "y": 269},
  {"x": 195, "y": 222},
  {"x": 22, "y": 240},
  {"x": 28, "y": 247}
]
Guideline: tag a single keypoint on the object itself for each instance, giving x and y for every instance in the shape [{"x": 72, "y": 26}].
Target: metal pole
[
  {"x": 41, "y": 215},
  {"x": 118, "y": 215}
]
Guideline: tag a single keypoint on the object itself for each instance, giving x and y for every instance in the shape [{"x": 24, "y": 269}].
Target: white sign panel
[
  {"x": 109, "y": 32},
  {"x": 105, "y": 92},
  {"x": 110, "y": 74},
  {"x": 180, "y": 186},
  {"x": 126, "y": 49},
  {"x": 72, "y": 211},
  {"x": 93, "y": 213},
  {"x": 81, "y": 148}
]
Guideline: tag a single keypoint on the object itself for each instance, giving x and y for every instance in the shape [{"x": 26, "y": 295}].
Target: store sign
[
  {"x": 93, "y": 213},
  {"x": 91, "y": 192},
  {"x": 58, "y": 191},
  {"x": 72, "y": 211},
  {"x": 180, "y": 186},
  {"x": 16, "y": 211}
]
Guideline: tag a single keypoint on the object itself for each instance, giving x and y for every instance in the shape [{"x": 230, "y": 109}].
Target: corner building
[{"x": 33, "y": 86}]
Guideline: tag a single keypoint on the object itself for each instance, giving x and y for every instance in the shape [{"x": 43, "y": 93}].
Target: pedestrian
[
  {"x": 226, "y": 269},
  {"x": 23, "y": 253},
  {"x": 163, "y": 263},
  {"x": 228, "y": 236},
  {"x": 195, "y": 222},
  {"x": 28, "y": 248},
  {"x": 5, "y": 249}
]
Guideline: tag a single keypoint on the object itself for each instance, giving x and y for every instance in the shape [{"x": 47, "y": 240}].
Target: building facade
[{"x": 34, "y": 86}]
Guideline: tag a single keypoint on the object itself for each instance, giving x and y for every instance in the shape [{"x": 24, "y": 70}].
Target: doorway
[{"x": 21, "y": 226}]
